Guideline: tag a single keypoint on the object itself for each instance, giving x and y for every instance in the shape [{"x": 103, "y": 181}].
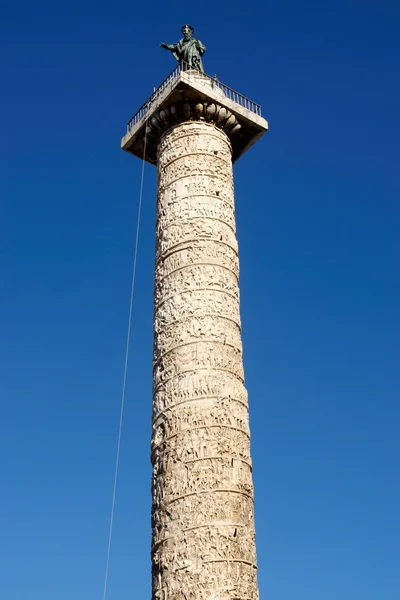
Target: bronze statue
[{"x": 188, "y": 51}]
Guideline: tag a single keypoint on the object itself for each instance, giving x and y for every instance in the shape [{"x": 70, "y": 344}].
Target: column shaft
[{"x": 203, "y": 525}]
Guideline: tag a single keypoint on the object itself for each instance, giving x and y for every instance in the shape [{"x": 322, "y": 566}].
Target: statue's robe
[{"x": 189, "y": 52}]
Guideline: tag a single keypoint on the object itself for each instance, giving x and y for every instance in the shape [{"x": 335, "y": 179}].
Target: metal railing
[
  {"x": 235, "y": 96},
  {"x": 227, "y": 91}
]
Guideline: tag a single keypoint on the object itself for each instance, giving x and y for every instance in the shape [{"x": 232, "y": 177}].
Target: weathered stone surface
[{"x": 203, "y": 525}]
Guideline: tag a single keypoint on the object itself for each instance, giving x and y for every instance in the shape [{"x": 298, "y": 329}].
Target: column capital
[{"x": 188, "y": 95}]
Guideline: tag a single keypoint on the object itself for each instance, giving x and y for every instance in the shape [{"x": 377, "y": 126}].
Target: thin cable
[{"x": 128, "y": 339}]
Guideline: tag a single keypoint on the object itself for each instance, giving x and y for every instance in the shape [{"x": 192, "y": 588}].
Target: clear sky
[{"x": 318, "y": 223}]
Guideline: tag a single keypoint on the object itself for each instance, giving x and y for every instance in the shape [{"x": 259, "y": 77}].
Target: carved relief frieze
[
  {"x": 199, "y": 228},
  {"x": 203, "y": 252},
  {"x": 195, "y": 357},
  {"x": 198, "y": 385},
  {"x": 197, "y": 303},
  {"x": 199, "y": 328},
  {"x": 195, "y": 185},
  {"x": 194, "y": 207},
  {"x": 193, "y": 277}
]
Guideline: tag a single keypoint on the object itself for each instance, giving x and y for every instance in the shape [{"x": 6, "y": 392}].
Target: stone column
[{"x": 203, "y": 525}]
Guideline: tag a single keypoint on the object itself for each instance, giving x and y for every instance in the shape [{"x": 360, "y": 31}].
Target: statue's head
[{"x": 187, "y": 31}]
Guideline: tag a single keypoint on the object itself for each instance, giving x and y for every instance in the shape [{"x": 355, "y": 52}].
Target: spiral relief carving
[{"x": 203, "y": 544}]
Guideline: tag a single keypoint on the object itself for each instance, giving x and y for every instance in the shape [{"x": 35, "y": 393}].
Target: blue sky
[{"x": 318, "y": 220}]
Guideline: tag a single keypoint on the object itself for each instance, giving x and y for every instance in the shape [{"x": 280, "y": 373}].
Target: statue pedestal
[{"x": 209, "y": 83}]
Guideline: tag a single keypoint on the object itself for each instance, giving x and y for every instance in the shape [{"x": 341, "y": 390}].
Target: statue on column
[{"x": 188, "y": 51}]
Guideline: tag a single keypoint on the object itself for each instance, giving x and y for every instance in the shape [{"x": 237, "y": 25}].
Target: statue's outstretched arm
[{"x": 170, "y": 47}]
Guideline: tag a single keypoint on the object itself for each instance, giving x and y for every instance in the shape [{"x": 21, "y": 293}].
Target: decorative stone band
[{"x": 210, "y": 112}]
